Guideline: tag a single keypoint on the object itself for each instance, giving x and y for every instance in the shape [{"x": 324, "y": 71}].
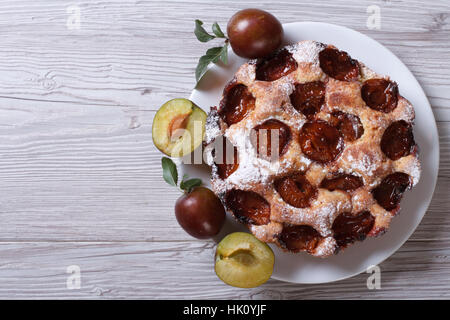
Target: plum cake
[{"x": 311, "y": 149}]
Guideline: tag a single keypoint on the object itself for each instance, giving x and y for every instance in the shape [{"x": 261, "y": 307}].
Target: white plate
[{"x": 303, "y": 268}]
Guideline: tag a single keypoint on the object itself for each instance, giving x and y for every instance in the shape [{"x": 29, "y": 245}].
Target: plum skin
[
  {"x": 254, "y": 33},
  {"x": 200, "y": 213}
]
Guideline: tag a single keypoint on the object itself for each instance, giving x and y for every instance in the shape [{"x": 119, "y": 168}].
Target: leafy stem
[
  {"x": 214, "y": 54},
  {"x": 170, "y": 175}
]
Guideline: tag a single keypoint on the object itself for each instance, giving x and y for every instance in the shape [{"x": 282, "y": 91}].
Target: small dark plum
[
  {"x": 254, "y": 33},
  {"x": 200, "y": 213}
]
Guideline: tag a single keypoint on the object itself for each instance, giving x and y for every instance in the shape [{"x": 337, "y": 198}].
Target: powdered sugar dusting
[
  {"x": 212, "y": 127},
  {"x": 410, "y": 166},
  {"x": 326, "y": 247},
  {"x": 266, "y": 232},
  {"x": 367, "y": 73},
  {"x": 414, "y": 171},
  {"x": 246, "y": 73},
  {"x": 362, "y": 157},
  {"x": 252, "y": 169},
  {"x": 286, "y": 88},
  {"x": 363, "y": 163},
  {"x": 306, "y": 51},
  {"x": 404, "y": 110}
]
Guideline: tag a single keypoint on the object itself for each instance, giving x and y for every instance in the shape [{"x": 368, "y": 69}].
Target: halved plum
[
  {"x": 236, "y": 104},
  {"x": 178, "y": 127},
  {"x": 380, "y": 94},
  {"x": 248, "y": 207},
  {"x": 273, "y": 68},
  {"x": 338, "y": 64},
  {"x": 296, "y": 190},
  {"x": 348, "y": 124},
  {"x": 349, "y": 228},
  {"x": 345, "y": 182},
  {"x": 308, "y": 98},
  {"x": 390, "y": 191},
  {"x": 243, "y": 261},
  {"x": 397, "y": 140},
  {"x": 271, "y": 134},
  {"x": 320, "y": 141},
  {"x": 225, "y": 157},
  {"x": 296, "y": 238}
]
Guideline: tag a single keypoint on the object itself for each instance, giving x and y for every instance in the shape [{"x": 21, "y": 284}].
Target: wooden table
[{"x": 80, "y": 180}]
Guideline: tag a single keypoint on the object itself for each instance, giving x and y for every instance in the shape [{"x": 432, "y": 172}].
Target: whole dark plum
[
  {"x": 200, "y": 213},
  {"x": 254, "y": 33}
]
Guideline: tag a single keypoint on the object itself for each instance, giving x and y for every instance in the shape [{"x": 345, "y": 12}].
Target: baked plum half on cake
[{"x": 319, "y": 149}]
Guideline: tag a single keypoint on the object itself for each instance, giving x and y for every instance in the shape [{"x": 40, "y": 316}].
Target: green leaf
[
  {"x": 170, "y": 173},
  {"x": 217, "y": 31},
  {"x": 189, "y": 184},
  {"x": 224, "y": 53},
  {"x": 202, "y": 66},
  {"x": 212, "y": 55},
  {"x": 201, "y": 33}
]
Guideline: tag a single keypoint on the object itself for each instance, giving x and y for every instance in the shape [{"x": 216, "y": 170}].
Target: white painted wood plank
[{"x": 184, "y": 270}]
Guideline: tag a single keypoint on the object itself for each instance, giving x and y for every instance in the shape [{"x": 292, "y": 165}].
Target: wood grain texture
[
  {"x": 80, "y": 181},
  {"x": 184, "y": 270}
]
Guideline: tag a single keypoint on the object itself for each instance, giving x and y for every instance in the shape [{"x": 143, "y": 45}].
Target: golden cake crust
[{"x": 362, "y": 157}]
